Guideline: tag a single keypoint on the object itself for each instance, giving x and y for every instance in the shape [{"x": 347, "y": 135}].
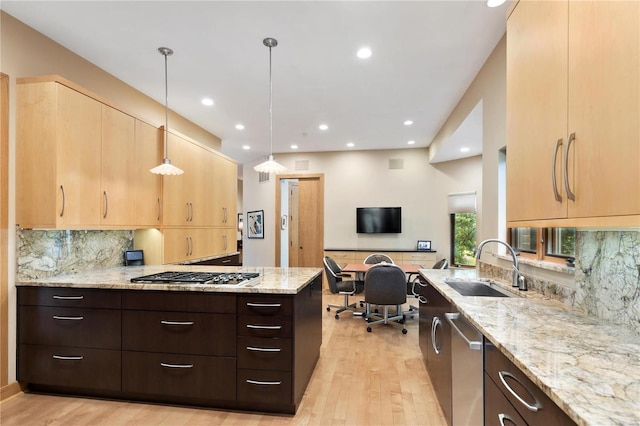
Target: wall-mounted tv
[{"x": 379, "y": 220}]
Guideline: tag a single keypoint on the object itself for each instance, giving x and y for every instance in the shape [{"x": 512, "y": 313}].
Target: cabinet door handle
[
  {"x": 570, "y": 195},
  {"x": 254, "y": 349},
  {"x": 502, "y": 417},
  {"x": 159, "y": 208},
  {"x": 264, "y": 327},
  {"x": 556, "y": 194},
  {"x": 164, "y": 364},
  {"x": 64, "y": 199},
  {"x": 191, "y": 241},
  {"x": 257, "y": 382},
  {"x": 434, "y": 327},
  {"x": 68, "y": 297},
  {"x": 57, "y": 317},
  {"x": 264, "y": 305},
  {"x": 532, "y": 407},
  {"x": 68, "y": 358},
  {"x": 451, "y": 318},
  {"x": 187, "y": 240},
  {"x": 176, "y": 322},
  {"x": 188, "y": 213},
  {"x": 106, "y": 204}
]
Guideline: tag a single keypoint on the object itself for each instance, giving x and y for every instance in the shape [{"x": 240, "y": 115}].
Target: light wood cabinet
[
  {"x": 184, "y": 244},
  {"x": 57, "y": 156},
  {"x": 224, "y": 192},
  {"x": 573, "y": 111},
  {"x": 148, "y": 188}
]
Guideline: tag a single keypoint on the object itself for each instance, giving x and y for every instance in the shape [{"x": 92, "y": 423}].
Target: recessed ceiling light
[
  {"x": 495, "y": 3},
  {"x": 351, "y": 144},
  {"x": 411, "y": 142},
  {"x": 364, "y": 52},
  {"x": 464, "y": 149},
  {"x": 408, "y": 123},
  {"x": 246, "y": 147},
  {"x": 240, "y": 126},
  {"x": 207, "y": 101},
  {"x": 294, "y": 146},
  {"x": 323, "y": 127}
]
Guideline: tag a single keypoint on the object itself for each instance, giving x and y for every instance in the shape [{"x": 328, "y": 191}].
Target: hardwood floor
[{"x": 362, "y": 378}]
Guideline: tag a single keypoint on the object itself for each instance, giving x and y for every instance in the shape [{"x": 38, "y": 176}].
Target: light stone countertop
[
  {"x": 588, "y": 367},
  {"x": 271, "y": 281}
]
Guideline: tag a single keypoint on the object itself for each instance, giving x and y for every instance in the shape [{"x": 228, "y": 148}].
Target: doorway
[{"x": 300, "y": 233}]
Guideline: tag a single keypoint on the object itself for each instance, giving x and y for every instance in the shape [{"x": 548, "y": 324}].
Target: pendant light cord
[
  {"x": 270, "y": 106},
  {"x": 166, "y": 108}
]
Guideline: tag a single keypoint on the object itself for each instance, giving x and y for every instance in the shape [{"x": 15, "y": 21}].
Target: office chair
[
  {"x": 341, "y": 283},
  {"x": 385, "y": 284},
  {"x": 377, "y": 258},
  {"x": 412, "y": 291}
]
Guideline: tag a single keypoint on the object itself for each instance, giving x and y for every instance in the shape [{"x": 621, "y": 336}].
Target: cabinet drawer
[
  {"x": 264, "y": 326},
  {"x": 260, "y": 386},
  {"x": 183, "y": 376},
  {"x": 264, "y": 305},
  {"x": 179, "y": 301},
  {"x": 425, "y": 259},
  {"x": 497, "y": 408},
  {"x": 360, "y": 256},
  {"x": 342, "y": 258},
  {"x": 178, "y": 332},
  {"x": 264, "y": 353},
  {"x": 69, "y": 367},
  {"x": 86, "y": 328},
  {"x": 69, "y": 297},
  {"x": 497, "y": 365}
]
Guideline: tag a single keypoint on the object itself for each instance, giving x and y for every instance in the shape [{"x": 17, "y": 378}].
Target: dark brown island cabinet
[{"x": 245, "y": 351}]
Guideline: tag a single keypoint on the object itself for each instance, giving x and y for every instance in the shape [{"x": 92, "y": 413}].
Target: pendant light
[
  {"x": 270, "y": 166},
  {"x": 166, "y": 168}
]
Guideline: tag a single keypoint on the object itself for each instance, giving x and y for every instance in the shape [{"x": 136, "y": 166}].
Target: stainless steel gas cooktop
[{"x": 226, "y": 278}]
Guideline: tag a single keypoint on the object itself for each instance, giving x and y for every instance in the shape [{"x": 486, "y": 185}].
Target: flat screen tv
[{"x": 379, "y": 220}]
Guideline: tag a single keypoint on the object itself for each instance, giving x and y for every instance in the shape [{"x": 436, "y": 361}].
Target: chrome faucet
[{"x": 518, "y": 281}]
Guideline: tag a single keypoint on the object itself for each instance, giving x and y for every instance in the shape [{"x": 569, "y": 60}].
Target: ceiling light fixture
[
  {"x": 270, "y": 166},
  {"x": 411, "y": 142},
  {"x": 464, "y": 149},
  {"x": 495, "y": 3},
  {"x": 207, "y": 101},
  {"x": 246, "y": 147},
  {"x": 240, "y": 126},
  {"x": 350, "y": 144},
  {"x": 166, "y": 168},
  {"x": 408, "y": 123},
  {"x": 294, "y": 146},
  {"x": 323, "y": 127},
  {"x": 364, "y": 53}
]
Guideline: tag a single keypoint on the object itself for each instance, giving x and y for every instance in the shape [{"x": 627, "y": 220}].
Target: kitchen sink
[{"x": 478, "y": 288}]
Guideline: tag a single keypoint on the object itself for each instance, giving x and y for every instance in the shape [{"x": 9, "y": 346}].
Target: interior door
[{"x": 294, "y": 242}]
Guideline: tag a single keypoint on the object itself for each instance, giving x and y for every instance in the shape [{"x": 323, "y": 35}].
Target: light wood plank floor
[{"x": 362, "y": 378}]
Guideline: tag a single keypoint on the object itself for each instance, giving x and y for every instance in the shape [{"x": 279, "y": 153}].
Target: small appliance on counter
[{"x": 133, "y": 258}]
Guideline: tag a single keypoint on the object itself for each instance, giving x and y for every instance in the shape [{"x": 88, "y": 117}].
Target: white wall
[{"x": 363, "y": 179}]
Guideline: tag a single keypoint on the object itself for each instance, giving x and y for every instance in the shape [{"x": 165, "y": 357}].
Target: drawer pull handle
[
  {"x": 68, "y": 318},
  {"x": 252, "y": 348},
  {"x": 264, "y": 305},
  {"x": 502, "y": 417},
  {"x": 503, "y": 374},
  {"x": 256, "y": 382},
  {"x": 68, "y": 358},
  {"x": 176, "y": 322},
  {"x": 68, "y": 297},
  {"x": 265, "y": 327},
  {"x": 164, "y": 364}
]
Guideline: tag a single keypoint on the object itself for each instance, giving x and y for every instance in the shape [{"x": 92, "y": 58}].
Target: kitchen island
[
  {"x": 589, "y": 368},
  {"x": 252, "y": 346}
]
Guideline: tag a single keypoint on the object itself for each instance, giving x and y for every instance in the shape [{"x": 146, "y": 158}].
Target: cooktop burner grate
[{"x": 233, "y": 278}]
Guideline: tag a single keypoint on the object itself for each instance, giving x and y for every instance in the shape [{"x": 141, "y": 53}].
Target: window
[
  {"x": 463, "y": 238},
  {"x": 555, "y": 244}
]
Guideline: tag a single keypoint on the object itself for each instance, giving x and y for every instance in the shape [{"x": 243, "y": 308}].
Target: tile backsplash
[
  {"x": 44, "y": 253},
  {"x": 607, "y": 277}
]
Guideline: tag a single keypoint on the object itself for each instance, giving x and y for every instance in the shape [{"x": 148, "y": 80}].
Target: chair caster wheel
[
  {"x": 328, "y": 309},
  {"x": 337, "y": 316},
  {"x": 369, "y": 329},
  {"x": 404, "y": 331}
]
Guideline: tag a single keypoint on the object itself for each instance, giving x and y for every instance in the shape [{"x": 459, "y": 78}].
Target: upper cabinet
[
  {"x": 573, "y": 114},
  {"x": 225, "y": 190},
  {"x": 148, "y": 188}
]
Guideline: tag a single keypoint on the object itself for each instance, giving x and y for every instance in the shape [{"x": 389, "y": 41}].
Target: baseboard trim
[{"x": 10, "y": 390}]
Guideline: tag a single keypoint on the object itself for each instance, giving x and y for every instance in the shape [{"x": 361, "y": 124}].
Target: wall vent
[
  {"x": 263, "y": 177},
  {"x": 302, "y": 165},
  {"x": 396, "y": 163}
]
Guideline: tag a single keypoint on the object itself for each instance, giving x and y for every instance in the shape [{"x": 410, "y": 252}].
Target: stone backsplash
[
  {"x": 42, "y": 254},
  {"x": 607, "y": 277}
]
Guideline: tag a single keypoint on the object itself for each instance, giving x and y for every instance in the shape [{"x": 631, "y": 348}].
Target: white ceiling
[{"x": 425, "y": 55}]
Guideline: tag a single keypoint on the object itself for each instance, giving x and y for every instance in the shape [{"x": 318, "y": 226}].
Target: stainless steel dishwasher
[{"x": 466, "y": 372}]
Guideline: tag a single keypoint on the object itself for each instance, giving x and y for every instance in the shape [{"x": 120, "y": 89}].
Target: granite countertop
[
  {"x": 589, "y": 368},
  {"x": 271, "y": 281}
]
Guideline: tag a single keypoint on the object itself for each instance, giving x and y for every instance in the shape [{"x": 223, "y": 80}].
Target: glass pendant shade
[
  {"x": 270, "y": 166},
  {"x": 166, "y": 168}
]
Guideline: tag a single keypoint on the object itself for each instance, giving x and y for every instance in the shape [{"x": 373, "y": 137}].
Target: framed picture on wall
[
  {"x": 255, "y": 224},
  {"x": 424, "y": 245}
]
